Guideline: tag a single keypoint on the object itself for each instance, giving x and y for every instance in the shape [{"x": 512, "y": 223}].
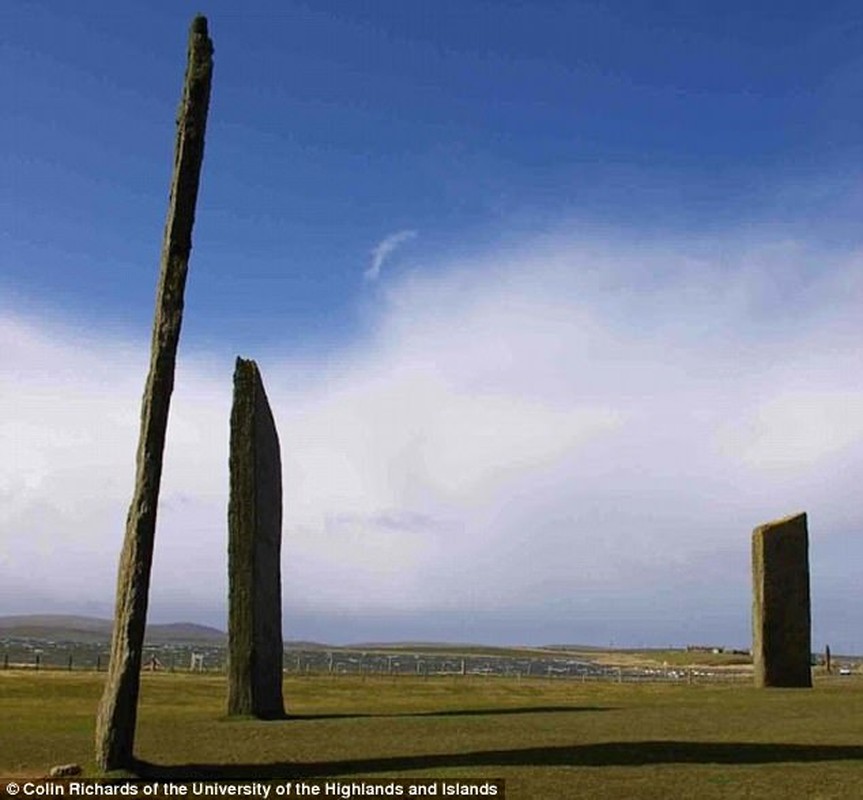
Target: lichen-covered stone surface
[
  {"x": 116, "y": 717},
  {"x": 254, "y": 552},
  {"x": 781, "y": 617}
]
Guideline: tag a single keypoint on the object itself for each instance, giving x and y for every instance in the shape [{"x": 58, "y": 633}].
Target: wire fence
[{"x": 208, "y": 659}]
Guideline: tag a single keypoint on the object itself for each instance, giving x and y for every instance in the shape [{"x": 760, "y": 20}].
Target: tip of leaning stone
[
  {"x": 199, "y": 24},
  {"x": 63, "y": 770}
]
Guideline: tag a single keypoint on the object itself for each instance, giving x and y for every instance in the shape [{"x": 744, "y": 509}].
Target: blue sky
[{"x": 521, "y": 278}]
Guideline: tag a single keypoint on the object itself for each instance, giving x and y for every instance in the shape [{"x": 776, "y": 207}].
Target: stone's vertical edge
[
  {"x": 254, "y": 552},
  {"x": 781, "y": 613},
  {"x": 802, "y": 629},
  {"x": 117, "y": 714},
  {"x": 758, "y": 607},
  {"x": 241, "y": 510},
  {"x": 267, "y": 569}
]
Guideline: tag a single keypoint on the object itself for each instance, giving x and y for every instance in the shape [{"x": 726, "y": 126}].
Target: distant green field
[
  {"x": 455, "y": 650},
  {"x": 674, "y": 658},
  {"x": 548, "y": 739}
]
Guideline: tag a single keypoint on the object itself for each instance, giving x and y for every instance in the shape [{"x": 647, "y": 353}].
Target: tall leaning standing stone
[
  {"x": 115, "y": 722},
  {"x": 254, "y": 552},
  {"x": 781, "y": 619}
]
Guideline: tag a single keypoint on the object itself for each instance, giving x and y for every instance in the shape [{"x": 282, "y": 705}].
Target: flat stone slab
[
  {"x": 781, "y": 615},
  {"x": 254, "y": 552},
  {"x": 64, "y": 770}
]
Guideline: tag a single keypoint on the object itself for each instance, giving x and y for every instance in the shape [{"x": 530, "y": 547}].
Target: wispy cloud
[{"x": 384, "y": 249}]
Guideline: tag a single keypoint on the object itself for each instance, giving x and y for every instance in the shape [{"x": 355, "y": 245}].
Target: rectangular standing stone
[
  {"x": 781, "y": 619},
  {"x": 254, "y": 552}
]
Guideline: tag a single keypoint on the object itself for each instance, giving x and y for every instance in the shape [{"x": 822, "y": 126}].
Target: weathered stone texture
[
  {"x": 254, "y": 552},
  {"x": 781, "y": 619},
  {"x": 118, "y": 708}
]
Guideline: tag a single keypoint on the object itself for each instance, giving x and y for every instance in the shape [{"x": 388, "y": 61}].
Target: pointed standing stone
[
  {"x": 118, "y": 709},
  {"x": 781, "y": 620},
  {"x": 255, "y": 648}
]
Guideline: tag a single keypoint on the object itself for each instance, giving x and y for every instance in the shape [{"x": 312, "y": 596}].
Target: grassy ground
[
  {"x": 671, "y": 658},
  {"x": 548, "y": 739}
]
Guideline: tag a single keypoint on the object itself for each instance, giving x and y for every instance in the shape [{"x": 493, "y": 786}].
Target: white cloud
[
  {"x": 384, "y": 249},
  {"x": 561, "y": 441},
  {"x": 795, "y": 429}
]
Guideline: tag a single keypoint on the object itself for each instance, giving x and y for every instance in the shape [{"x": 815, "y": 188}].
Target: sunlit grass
[{"x": 547, "y": 738}]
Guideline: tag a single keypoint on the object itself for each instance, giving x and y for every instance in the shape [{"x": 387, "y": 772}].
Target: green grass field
[{"x": 548, "y": 739}]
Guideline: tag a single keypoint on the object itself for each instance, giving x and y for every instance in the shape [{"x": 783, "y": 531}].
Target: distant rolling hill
[{"x": 69, "y": 628}]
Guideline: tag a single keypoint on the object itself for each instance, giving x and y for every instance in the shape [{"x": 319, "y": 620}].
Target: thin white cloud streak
[
  {"x": 384, "y": 249},
  {"x": 570, "y": 432}
]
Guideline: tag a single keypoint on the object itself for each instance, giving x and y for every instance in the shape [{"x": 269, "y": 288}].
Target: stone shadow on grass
[
  {"x": 605, "y": 754},
  {"x": 460, "y": 712}
]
